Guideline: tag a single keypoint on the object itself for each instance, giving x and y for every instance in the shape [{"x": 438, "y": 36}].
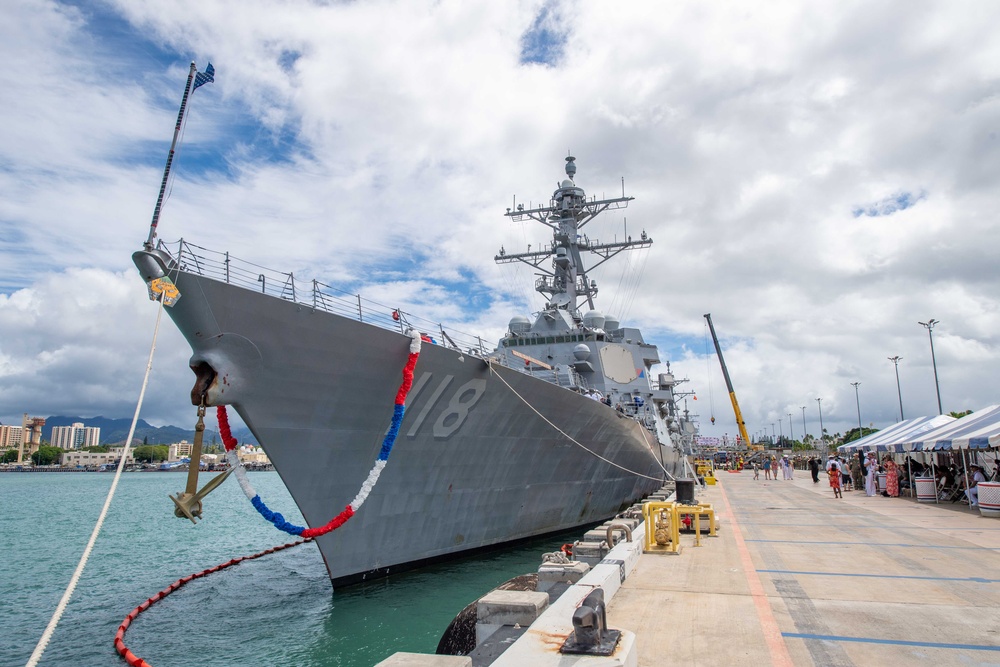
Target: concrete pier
[
  {"x": 793, "y": 577},
  {"x": 797, "y": 577}
]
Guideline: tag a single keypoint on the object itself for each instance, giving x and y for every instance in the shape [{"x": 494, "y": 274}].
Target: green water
[{"x": 277, "y": 610}]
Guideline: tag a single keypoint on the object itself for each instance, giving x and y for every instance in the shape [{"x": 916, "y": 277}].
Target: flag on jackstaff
[{"x": 201, "y": 78}]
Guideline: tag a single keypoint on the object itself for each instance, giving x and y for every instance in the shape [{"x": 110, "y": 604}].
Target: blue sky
[{"x": 820, "y": 178}]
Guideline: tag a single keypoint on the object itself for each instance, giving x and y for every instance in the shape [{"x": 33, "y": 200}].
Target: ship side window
[{"x": 549, "y": 340}]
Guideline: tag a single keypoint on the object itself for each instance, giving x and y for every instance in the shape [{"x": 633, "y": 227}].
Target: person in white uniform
[{"x": 871, "y": 484}]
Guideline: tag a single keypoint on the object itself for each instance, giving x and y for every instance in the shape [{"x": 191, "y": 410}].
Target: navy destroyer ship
[{"x": 556, "y": 427}]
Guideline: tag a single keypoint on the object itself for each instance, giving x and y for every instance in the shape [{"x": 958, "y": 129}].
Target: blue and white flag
[{"x": 201, "y": 78}]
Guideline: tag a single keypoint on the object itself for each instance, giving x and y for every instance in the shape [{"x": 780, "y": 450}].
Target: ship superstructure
[{"x": 582, "y": 347}]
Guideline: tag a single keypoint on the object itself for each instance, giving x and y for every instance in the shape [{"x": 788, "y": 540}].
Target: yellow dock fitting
[
  {"x": 663, "y": 528},
  {"x": 705, "y": 468},
  {"x": 696, "y": 512}
]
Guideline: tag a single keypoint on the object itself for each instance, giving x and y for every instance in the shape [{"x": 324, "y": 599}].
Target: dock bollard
[
  {"x": 685, "y": 490},
  {"x": 590, "y": 634}
]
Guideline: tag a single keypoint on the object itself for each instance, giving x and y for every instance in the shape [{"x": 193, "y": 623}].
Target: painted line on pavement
[
  {"x": 978, "y": 580},
  {"x": 880, "y": 544},
  {"x": 893, "y": 642},
  {"x": 769, "y": 626}
]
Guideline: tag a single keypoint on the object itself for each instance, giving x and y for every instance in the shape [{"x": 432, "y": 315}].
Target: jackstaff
[{"x": 208, "y": 76}]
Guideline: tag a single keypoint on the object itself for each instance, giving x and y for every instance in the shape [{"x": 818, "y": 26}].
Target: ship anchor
[{"x": 188, "y": 503}]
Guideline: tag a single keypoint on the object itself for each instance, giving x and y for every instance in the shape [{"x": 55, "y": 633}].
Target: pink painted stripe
[{"x": 772, "y": 633}]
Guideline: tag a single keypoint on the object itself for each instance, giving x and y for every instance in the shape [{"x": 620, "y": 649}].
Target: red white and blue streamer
[{"x": 399, "y": 410}]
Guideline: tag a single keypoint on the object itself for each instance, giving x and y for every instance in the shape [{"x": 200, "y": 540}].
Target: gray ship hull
[{"x": 475, "y": 464}]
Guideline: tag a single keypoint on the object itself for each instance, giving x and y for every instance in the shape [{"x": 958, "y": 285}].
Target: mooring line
[
  {"x": 569, "y": 437},
  {"x": 36, "y": 655},
  {"x": 134, "y": 660}
]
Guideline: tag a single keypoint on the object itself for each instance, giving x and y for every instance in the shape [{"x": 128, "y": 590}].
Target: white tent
[
  {"x": 886, "y": 440},
  {"x": 979, "y": 430}
]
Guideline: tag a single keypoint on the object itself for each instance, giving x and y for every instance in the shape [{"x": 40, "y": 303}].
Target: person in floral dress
[
  {"x": 833, "y": 470},
  {"x": 891, "y": 476}
]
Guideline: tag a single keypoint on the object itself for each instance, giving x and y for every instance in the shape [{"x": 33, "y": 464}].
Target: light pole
[
  {"x": 791, "y": 431},
  {"x": 929, "y": 325},
  {"x": 895, "y": 362},
  {"x": 803, "y": 424},
  {"x": 822, "y": 436},
  {"x": 781, "y": 433},
  {"x": 858, "y": 401}
]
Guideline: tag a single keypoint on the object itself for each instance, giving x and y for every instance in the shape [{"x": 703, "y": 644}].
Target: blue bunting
[
  {"x": 276, "y": 518},
  {"x": 397, "y": 419}
]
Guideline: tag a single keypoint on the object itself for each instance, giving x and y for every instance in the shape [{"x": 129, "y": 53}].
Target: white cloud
[{"x": 344, "y": 141}]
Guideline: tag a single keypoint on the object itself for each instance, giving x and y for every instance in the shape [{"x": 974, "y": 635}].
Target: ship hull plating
[{"x": 477, "y": 463}]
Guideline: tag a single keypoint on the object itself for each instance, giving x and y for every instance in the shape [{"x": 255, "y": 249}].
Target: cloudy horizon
[{"x": 820, "y": 178}]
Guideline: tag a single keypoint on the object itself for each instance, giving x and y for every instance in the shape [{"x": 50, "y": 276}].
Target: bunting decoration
[{"x": 399, "y": 410}]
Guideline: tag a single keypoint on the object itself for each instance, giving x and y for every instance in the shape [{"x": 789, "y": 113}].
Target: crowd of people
[
  {"x": 862, "y": 471},
  {"x": 771, "y": 464}
]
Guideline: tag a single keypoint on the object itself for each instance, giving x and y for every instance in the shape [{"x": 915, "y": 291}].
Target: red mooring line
[{"x": 136, "y": 661}]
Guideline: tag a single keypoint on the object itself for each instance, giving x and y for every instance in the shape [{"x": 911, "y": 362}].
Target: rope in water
[
  {"x": 399, "y": 410},
  {"x": 134, "y": 660}
]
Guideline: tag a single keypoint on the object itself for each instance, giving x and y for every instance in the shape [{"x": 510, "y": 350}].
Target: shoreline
[{"x": 26, "y": 469}]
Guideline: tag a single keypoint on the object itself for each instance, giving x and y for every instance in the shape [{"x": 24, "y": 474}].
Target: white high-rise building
[{"x": 76, "y": 436}]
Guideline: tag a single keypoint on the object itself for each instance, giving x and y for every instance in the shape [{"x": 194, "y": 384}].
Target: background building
[
  {"x": 180, "y": 450},
  {"x": 76, "y": 436},
  {"x": 31, "y": 437},
  {"x": 10, "y": 436},
  {"x": 91, "y": 459}
]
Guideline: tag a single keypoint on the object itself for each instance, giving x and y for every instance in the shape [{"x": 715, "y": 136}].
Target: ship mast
[{"x": 569, "y": 210}]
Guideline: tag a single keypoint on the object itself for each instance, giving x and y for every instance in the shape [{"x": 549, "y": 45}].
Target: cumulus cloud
[{"x": 819, "y": 177}]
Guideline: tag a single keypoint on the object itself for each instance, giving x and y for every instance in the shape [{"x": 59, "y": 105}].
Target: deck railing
[
  {"x": 231, "y": 270},
  {"x": 225, "y": 268}
]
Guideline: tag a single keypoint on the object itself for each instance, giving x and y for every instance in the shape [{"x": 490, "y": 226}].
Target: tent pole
[
  {"x": 909, "y": 474},
  {"x": 934, "y": 475},
  {"x": 966, "y": 467}
]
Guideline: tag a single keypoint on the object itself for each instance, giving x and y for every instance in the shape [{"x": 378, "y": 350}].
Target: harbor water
[{"x": 276, "y": 610}]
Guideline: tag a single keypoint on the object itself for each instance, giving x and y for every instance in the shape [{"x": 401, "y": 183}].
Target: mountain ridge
[{"x": 114, "y": 431}]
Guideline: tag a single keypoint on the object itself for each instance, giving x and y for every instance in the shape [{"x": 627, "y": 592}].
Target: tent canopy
[
  {"x": 979, "y": 430},
  {"x": 888, "y": 439}
]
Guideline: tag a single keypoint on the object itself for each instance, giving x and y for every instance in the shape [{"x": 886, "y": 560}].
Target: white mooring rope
[
  {"x": 36, "y": 655},
  {"x": 570, "y": 438}
]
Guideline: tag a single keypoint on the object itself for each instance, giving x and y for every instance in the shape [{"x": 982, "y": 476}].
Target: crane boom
[{"x": 729, "y": 384}]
